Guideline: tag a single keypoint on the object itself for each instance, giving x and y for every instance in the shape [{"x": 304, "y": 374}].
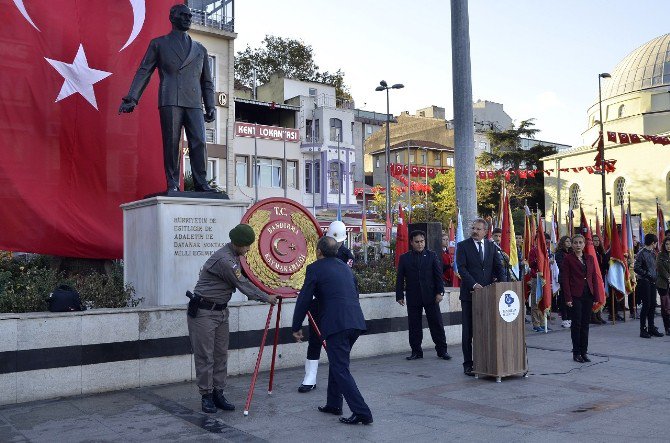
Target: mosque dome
[{"x": 646, "y": 67}]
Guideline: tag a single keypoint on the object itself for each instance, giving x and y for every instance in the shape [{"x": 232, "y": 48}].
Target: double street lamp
[
  {"x": 383, "y": 86},
  {"x": 601, "y": 142}
]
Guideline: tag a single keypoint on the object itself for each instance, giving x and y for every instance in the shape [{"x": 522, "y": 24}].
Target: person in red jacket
[{"x": 578, "y": 282}]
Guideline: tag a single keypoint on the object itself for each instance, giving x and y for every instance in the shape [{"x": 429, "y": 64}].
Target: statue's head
[{"x": 180, "y": 17}]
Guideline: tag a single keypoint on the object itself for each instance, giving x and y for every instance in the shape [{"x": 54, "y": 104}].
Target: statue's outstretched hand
[
  {"x": 127, "y": 105},
  {"x": 210, "y": 115}
]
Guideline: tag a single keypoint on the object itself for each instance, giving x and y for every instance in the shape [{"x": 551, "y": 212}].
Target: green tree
[
  {"x": 443, "y": 197},
  {"x": 288, "y": 57},
  {"x": 507, "y": 153}
]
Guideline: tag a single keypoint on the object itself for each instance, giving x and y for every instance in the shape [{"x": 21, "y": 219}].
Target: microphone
[{"x": 508, "y": 266}]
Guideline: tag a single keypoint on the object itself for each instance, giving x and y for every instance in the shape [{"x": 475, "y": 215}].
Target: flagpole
[
  {"x": 364, "y": 238},
  {"x": 631, "y": 253},
  {"x": 612, "y": 296}
]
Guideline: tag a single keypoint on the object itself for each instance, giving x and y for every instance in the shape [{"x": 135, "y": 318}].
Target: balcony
[
  {"x": 330, "y": 101},
  {"x": 217, "y": 14}
]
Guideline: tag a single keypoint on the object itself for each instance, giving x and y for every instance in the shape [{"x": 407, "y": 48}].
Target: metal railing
[{"x": 215, "y": 20}]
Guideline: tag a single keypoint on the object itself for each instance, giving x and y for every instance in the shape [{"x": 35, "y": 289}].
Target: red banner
[{"x": 69, "y": 160}]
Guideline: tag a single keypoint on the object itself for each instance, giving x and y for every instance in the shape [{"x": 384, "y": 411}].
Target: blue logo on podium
[{"x": 509, "y": 299}]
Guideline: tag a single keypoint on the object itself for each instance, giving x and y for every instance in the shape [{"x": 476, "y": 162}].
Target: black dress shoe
[
  {"x": 578, "y": 358},
  {"x": 644, "y": 333},
  {"x": 221, "y": 402},
  {"x": 306, "y": 388},
  {"x": 468, "y": 371},
  {"x": 585, "y": 358},
  {"x": 207, "y": 403},
  {"x": 414, "y": 356},
  {"x": 444, "y": 355},
  {"x": 356, "y": 419},
  {"x": 654, "y": 332},
  {"x": 205, "y": 188},
  {"x": 330, "y": 410}
]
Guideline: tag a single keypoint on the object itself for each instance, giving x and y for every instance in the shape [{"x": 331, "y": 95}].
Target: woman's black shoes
[
  {"x": 644, "y": 333},
  {"x": 585, "y": 358},
  {"x": 578, "y": 358}
]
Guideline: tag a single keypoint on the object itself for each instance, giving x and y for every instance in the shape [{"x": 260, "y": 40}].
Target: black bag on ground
[{"x": 64, "y": 299}]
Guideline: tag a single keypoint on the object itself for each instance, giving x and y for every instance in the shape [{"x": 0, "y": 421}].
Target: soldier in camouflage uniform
[{"x": 209, "y": 329}]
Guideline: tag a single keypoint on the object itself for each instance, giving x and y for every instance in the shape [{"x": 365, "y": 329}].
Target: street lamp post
[
  {"x": 601, "y": 143},
  {"x": 383, "y": 86}
]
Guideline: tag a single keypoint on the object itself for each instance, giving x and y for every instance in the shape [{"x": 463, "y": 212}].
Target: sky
[{"x": 539, "y": 58}]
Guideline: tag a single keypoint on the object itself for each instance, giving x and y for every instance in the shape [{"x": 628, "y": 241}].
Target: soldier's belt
[{"x": 211, "y": 306}]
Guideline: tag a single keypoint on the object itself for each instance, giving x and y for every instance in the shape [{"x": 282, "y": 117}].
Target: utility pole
[{"x": 463, "y": 119}]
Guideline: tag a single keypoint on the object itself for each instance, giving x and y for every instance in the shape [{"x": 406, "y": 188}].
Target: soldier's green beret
[{"x": 242, "y": 235}]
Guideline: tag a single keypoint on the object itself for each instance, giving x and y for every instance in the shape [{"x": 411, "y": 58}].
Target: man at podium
[{"x": 478, "y": 265}]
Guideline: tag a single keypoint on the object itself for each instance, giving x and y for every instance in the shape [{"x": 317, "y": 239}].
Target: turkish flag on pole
[
  {"x": 69, "y": 160},
  {"x": 599, "y": 296},
  {"x": 402, "y": 236}
]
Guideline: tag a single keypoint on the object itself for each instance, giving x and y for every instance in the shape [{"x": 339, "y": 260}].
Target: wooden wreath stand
[{"x": 254, "y": 377}]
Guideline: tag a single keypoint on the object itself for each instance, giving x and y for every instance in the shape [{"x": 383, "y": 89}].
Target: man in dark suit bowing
[
  {"x": 185, "y": 83},
  {"x": 479, "y": 265},
  {"x": 420, "y": 278},
  {"x": 332, "y": 283}
]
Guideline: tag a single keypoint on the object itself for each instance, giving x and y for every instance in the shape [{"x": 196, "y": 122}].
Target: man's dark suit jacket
[
  {"x": 473, "y": 270},
  {"x": 184, "y": 82},
  {"x": 573, "y": 276},
  {"x": 331, "y": 282},
  {"x": 420, "y": 277}
]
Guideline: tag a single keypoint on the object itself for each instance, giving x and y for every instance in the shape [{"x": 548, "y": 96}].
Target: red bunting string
[{"x": 626, "y": 139}]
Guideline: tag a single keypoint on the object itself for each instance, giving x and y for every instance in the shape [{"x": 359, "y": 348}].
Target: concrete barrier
[{"x": 46, "y": 355}]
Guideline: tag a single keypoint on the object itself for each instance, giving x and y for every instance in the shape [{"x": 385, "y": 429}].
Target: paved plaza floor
[{"x": 623, "y": 395}]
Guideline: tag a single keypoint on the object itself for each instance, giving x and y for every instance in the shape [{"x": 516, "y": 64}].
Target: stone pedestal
[{"x": 166, "y": 240}]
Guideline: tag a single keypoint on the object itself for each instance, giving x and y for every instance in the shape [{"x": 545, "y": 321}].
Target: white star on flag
[{"x": 79, "y": 77}]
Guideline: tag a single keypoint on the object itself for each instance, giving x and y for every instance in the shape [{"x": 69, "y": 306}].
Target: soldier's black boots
[
  {"x": 221, "y": 402},
  {"x": 208, "y": 405}
]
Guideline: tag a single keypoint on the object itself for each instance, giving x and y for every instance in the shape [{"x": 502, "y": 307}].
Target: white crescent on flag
[
  {"x": 139, "y": 14},
  {"x": 22, "y": 9}
]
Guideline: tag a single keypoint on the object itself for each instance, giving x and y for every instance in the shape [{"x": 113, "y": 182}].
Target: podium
[{"x": 499, "y": 336}]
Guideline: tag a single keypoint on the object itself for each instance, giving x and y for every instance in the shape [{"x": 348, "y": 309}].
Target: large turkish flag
[{"x": 68, "y": 159}]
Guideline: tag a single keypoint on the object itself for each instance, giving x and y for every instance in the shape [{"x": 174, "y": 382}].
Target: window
[
  {"x": 317, "y": 130},
  {"x": 397, "y": 158},
  {"x": 241, "y": 170},
  {"x": 423, "y": 158},
  {"x": 212, "y": 168},
  {"x": 621, "y": 112},
  {"x": 619, "y": 191},
  {"x": 317, "y": 177},
  {"x": 312, "y": 173},
  {"x": 212, "y": 67},
  {"x": 450, "y": 161},
  {"x": 210, "y": 135},
  {"x": 438, "y": 158},
  {"x": 377, "y": 163},
  {"x": 352, "y": 133},
  {"x": 269, "y": 172},
  {"x": 335, "y": 171},
  {"x": 482, "y": 146},
  {"x": 411, "y": 158},
  {"x": 368, "y": 130},
  {"x": 292, "y": 174},
  {"x": 575, "y": 196},
  {"x": 335, "y": 130},
  {"x": 312, "y": 92},
  {"x": 308, "y": 177},
  {"x": 309, "y": 127}
]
